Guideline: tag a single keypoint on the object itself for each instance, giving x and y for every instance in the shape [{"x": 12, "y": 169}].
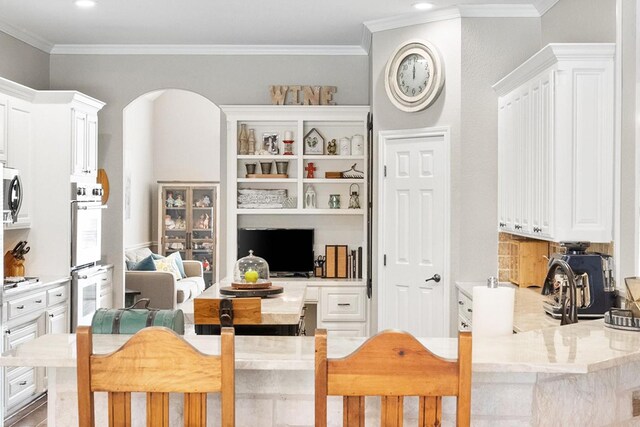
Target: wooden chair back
[
  {"x": 157, "y": 361},
  {"x": 393, "y": 364},
  {"x": 246, "y": 311}
]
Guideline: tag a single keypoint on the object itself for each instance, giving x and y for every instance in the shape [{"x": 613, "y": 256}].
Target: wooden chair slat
[
  {"x": 157, "y": 361},
  {"x": 195, "y": 409},
  {"x": 157, "y": 409},
  {"x": 119, "y": 409},
  {"x": 391, "y": 411},
  {"x": 228, "y": 395},
  {"x": 430, "y": 412},
  {"x": 246, "y": 311},
  {"x": 393, "y": 364},
  {"x": 353, "y": 411}
]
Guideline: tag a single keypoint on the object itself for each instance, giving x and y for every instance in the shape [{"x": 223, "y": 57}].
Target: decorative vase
[
  {"x": 345, "y": 146},
  {"x": 334, "y": 201},
  {"x": 251, "y": 168},
  {"x": 252, "y": 141},
  {"x": 243, "y": 141},
  {"x": 265, "y": 167},
  {"x": 282, "y": 166}
]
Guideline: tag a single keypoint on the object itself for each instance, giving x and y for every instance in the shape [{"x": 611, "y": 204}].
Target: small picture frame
[
  {"x": 313, "y": 142},
  {"x": 270, "y": 143}
]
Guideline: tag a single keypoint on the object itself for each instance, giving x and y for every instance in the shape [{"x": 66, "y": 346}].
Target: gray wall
[
  {"x": 119, "y": 79},
  {"x": 580, "y": 21},
  {"x": 23, "y": 63},
  {"x": 487, "y": 56}
]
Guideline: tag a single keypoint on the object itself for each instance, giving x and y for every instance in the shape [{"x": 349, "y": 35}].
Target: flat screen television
[{"x": 289, "y": 251}]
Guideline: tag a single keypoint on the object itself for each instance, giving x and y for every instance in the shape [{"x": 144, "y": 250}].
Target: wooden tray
[
  {"x": 267, "y": 175},
  {"x": 240, "y": 293},
  {"x": 257, "y": 285}
]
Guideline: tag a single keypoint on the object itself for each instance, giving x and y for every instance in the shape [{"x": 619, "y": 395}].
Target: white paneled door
[{"x": 413, "y": 291}]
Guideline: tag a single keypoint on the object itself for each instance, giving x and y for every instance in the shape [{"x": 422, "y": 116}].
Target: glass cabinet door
[{"x": 188, "y": 224}]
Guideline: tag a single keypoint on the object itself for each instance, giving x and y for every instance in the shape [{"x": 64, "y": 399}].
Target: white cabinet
[
  {"x": 105, "y": 288},
  {"x": 4, "y": 108},
  {"x": 58, "y": 319},
  {"x": 341, "y": 307},
  {"x": 20, "y": 384},
  {"x": 19, "y": 154},
  {"x": 84, "y": 144},
  {"x": 555, "y": 144}
]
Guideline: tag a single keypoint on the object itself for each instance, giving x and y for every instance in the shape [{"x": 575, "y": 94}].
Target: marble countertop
[
  {"x": 584, "y": 347},
  {"x": 528, "y": 314},
  {"x": 43, "y": 282},
  {"x": 282, "y": 309}
]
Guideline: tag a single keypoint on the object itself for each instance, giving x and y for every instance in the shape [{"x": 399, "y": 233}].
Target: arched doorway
[{"x": 168, "y": 135}]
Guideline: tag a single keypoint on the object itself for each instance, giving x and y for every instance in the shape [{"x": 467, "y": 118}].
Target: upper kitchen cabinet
[
  {"x": 84, "y": 143},
  {"x": 4, "y": 106},
  {"x": 555, "y": 144}
]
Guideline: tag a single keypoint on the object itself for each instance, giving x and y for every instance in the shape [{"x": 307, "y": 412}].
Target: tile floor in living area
[{"x": 33, "y": 415}]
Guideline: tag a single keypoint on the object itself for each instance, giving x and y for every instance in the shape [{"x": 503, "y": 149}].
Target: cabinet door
[
  {"x": 58, "y": 320},
  {"x": 3, "y": 129},
  {"x": 508, "y": 180},
  {"x": 19, "y": 154},
  {"x": 545, "y": 150},
  {"x": 92, "y": 145},
  {"x": 79, "y": 143}
]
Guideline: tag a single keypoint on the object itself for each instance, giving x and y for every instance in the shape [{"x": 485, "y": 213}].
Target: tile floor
[{"x": 33, "y": 415}]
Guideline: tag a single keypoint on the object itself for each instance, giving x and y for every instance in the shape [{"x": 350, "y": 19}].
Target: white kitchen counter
[
  {"x": 528, "y": 314},
  {"x": 524, "y": 379}
]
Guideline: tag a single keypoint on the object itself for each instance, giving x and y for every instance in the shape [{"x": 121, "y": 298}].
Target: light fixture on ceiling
[
  {"x": 85, "y": 4},
  {"x": 423, "y": 5}
]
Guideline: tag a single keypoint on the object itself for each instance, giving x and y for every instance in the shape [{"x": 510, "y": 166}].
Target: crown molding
[
  {"x": 543, "y": 6},
  {"x": 166, "y": 49},
  {"x": 499, "y": 11},
  {"x": 409, "y": 19},
  {"x": 367, "y": 38},
  {"x": 26, "y": 37}
]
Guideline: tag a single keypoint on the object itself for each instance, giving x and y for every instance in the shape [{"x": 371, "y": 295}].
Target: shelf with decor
[{"x": 315, "y": 194}]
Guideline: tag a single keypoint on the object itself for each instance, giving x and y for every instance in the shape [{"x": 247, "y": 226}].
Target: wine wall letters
[{"x": 302, "y": 95}]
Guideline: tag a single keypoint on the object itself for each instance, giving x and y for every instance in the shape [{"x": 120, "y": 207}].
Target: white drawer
[
  {"x": 465, "y": 306},
  {"x": 339, "y": 304},
  {"x": 21, "y": 335},
  {"x": 28, "y": 304},
  {"x": 345, "y": 329},
  {"x": 464, "y": 324},
  {"x": 311, "y": 294},
  {"x": 21, "y": 387},
  {"x": 57, "y": 295},
  {"x": 104, "y": 278}
]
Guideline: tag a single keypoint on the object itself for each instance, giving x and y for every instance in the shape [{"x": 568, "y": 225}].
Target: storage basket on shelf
[{"x": 131, "y": 319}]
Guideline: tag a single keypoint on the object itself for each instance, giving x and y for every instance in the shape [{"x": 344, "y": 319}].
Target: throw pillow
[
  {"x": 178, "y": 260},
  {"x": 146, "y": 264},
  {"x": 168, "y": 265}
]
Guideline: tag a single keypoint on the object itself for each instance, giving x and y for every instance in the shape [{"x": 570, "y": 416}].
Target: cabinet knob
[
  {"x": 8, "y": 332},
  {"x": 460, "y": 302},
  {"x": 469, "y": 310},
  {"x": 51, "y": 315}
]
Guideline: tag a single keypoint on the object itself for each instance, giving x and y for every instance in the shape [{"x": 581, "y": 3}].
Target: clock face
[{"x": 414, "y": 76}]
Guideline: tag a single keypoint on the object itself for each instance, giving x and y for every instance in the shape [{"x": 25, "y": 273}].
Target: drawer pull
[
  {"x": 51, "y": 315},
  {"x": 469, "y": 310},
  {"x": 22, "y": 383},
  {"x": 58, "y": 295},
  {"x": 38, "y": 301},
  {"x": 460, "y": 302},
  {"x": 464, "y": 324},
  {"x": 343, "y": 304},
  {"x": 20, "y": 307}
]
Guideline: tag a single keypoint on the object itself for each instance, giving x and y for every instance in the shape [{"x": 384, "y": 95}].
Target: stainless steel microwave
[{"x": 12, "y": 192}]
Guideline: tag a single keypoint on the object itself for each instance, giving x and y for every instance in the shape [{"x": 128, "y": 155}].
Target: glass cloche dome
[{"x": 251, "y": 269}]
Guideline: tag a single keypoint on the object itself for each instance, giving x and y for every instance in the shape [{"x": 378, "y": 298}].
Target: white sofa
[{"x": 162, "y": 289}]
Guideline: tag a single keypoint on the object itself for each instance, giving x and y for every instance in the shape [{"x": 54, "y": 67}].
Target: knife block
[{"x": 13, "y": 266}]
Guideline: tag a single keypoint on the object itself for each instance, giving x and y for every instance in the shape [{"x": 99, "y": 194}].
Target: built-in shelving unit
[{"x": 332, "y": 226}]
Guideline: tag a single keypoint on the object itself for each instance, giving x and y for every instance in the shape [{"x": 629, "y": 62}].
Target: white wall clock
[{"x": 414, "y": 75}]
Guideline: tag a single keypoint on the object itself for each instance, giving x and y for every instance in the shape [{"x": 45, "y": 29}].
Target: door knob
[{"x": 436, "y": 278}]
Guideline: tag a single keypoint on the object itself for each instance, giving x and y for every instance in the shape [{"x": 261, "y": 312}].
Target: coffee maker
[{"x": 589, "y": 283}]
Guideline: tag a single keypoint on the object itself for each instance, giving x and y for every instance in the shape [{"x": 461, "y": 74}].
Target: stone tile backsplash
[{"x": 508, "y": 262}]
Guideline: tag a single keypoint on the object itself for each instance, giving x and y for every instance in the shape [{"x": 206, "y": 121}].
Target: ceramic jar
[
  {"x": 344, "y": 146},
  {"x": 357, "y": 145}
]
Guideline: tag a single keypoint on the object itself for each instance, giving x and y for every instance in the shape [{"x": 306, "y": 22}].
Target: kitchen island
[{"x": 574, "y": 375}]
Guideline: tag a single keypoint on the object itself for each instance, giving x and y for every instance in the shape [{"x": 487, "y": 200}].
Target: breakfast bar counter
[{"x": 531, "y": 378}]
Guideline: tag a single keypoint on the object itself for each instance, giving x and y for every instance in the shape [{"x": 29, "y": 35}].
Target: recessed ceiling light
[
  {"x": 423, "y": 5},
  {"x": 85, "y": 4}
]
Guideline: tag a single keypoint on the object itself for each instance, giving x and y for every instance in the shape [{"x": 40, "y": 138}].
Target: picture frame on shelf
[
  {"x": 313, "y": 142},
  {"x": 270, "y": 142}
]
